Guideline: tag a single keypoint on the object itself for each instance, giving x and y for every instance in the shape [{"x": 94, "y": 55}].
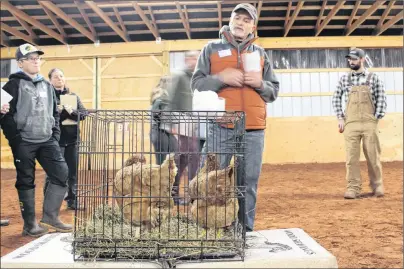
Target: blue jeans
[{"x": 221, "y": 140}]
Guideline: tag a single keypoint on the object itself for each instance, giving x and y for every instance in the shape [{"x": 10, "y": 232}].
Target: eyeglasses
[{"x": 31, "y": 59}]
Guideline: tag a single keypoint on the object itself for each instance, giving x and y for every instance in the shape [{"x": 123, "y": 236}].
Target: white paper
[
  {"x": 252, "y": 61},
  {"x": 5, "y": 97}
]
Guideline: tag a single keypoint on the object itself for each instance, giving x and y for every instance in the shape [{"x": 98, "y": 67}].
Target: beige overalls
[{"x": 361, "y": 124}]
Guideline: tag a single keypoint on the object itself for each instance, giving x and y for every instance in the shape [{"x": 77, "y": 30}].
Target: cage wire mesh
[{"x": 128, "y": 188}]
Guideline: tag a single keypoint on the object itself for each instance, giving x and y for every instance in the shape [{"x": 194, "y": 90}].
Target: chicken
[
  {"x": 144, "y": 190},
  {"x": 215, "y": 203}
]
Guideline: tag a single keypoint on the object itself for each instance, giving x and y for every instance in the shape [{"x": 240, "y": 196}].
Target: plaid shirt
[{"x": 376, "y": 90}]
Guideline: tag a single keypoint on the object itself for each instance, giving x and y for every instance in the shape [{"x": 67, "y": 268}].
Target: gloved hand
[
  {"x": 60, "y": 108},
  {"x": 341, "y": 125},
  {"x": 68, "y": 108}
]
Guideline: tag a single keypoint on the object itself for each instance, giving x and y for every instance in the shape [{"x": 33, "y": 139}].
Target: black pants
[
  {"x": 163, "y": 143},
  {"x": 48, "y": 155},
  {"x": 70, "y": 155}
]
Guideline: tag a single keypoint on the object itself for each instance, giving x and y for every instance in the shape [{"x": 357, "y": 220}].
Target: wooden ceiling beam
[
  {"x": 179, "y": 8},
  {"x": 390, "y": 23},
  {"x": 52, "y": 17},
  {"x": 5, "y": 41},
  {"x": 330, "y": 15},
  {"x": 107, "y": 20},
  {"x": 14, "y": 32},
  {"x": 86, "y": 18},
  {"x": 219, "y": 13},
  {"x": 287, "y": 17},
  {"x": 119, "y": 18},
  {"x": 320, "y": 15},
  {"x": 24, "y": 16},
  {"x": 384, "y": 16},
  {"x": 365, "y": 15},
  {"x": 293, "y": 18},
  {"x": 152, "y": 17},
  {"x": 353, "y": 14},
  {"x": 146, "y": 20}
]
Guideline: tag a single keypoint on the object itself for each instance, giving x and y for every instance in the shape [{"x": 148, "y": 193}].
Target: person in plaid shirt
[{"x": 366, "y": 104}]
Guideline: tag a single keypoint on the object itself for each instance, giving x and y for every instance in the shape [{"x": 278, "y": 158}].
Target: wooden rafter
[
  {"x": 384, "y": 15},
  {"x": 146, "y": 20},
  {"x": 259, "y": 7},
  {"x": 390, "y": 23},
  {"x": 11, "y": 30},
  {"x": 22, "y": 15},
  {"x": 52, "y": 17},
  {"x": 27, "y": 28},
  {"x": 5, "y": 41},
  {"x": 86, "y": 18},
  {"x": 119, "y": 18},
  {"x": 186, "y": 17},
  {"x": 293, "y": 18},
  {"x": 186, "y": 26},
  {"x": 219, "y": 13},
  {"x": 353, "y": 14},
  {"x": 51, "y": 6},
  {"x": 107, "y": 20},
  {"x": 365, "y": 15},
  {"x": 152, "y": 17},
  {"x": 320, "y": 15},
  {"x": 333, "y": 11},
  {"x": 288, "y": 13}
]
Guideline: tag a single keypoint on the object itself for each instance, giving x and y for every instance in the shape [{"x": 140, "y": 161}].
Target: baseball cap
[
  {"x": 26, "y": 49},
  {"x": 355, "y": 53},
  {"x": 249, "y": 8}
]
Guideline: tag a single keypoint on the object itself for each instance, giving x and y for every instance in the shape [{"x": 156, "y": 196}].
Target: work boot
[
  {"x": 378, "y": 191},
  {"x": 51, "y": 206},
  {"x": 27, "y": 206},
  {"x": 350, "y": 194}
]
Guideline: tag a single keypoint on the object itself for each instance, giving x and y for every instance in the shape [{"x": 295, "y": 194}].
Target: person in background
[
  {"x": 4, "y": 109},
  {"x": 69, "y": 136},
  {"x": 163, "y": 142},
  {"x": 31, "y": 127},
  {"x": 220, "y": 69},
  {"x": 179, "y": 98},
  {"x": 366, "y": 104}
]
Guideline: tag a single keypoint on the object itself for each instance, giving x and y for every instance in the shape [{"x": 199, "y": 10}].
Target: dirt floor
[{"x": 361, "y": 233}]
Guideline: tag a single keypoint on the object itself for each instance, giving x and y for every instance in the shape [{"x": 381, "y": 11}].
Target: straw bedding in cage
[{"x": 121, "y": 232}]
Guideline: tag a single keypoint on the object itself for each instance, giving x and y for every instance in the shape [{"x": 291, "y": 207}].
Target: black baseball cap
[
  {"x": 355, "y": 53},
  {"x": 24, "y": 50}
]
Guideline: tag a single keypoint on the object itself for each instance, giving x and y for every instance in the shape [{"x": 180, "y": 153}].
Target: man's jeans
[{"x": 222, "y": 140}]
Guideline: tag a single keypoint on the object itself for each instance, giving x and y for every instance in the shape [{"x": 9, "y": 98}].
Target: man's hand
[
  {"x": 60, "y": 108},
  {"x": 68, "y": 108},
  {"x": 341, "y": 125},
  {"x": 5, "y": 108},
  {"x": 253, "y": 79},
  {"x": 232, "y": 77}
]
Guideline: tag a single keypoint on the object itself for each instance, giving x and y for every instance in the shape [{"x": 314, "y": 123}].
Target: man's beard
[{"x": 355, "y": 67}]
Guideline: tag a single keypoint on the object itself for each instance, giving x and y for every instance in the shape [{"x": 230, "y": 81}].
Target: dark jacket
[
  {"x": 38, "y": 90},
  {"x": 70, "y": 133}
]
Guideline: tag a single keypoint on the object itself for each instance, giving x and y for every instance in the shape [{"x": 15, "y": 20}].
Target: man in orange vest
[
  {"x": 220, "y": 68},
  {"x": 365, "y": 101}
]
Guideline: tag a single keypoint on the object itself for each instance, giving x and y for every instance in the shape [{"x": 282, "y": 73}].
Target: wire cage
[{"x": 148, "y": 190}]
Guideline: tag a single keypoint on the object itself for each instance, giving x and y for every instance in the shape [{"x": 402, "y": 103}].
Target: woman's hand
[{"x": 5, "y": 108}]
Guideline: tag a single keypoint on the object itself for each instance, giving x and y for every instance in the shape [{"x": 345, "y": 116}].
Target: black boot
[
  {"x": 51, "y": 206},
  {"x": 27, "y": 205}
]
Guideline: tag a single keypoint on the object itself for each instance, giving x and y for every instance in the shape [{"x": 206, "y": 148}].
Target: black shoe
[
  {"x": 27, "y": 206},
  {"x": 51, "y": 206},
  {"x": 73, "y": 205}
]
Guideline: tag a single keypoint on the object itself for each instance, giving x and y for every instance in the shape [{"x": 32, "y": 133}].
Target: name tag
[
  {"x": 43, "y": 94},
  {"x": 224, "y": 53}
]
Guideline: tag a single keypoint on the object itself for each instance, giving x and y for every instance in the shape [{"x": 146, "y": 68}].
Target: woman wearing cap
[{"x": 69, "y": 118}]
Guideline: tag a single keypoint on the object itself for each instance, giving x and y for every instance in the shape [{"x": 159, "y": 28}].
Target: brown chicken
[
  {"x": 144, "y": 190},
  {"x": 215, "y": 204}
]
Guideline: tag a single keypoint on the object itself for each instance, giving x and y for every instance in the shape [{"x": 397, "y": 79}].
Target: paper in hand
[
  {"x": 252, "y": 61},
  {"x": 5, "y": 97}
]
